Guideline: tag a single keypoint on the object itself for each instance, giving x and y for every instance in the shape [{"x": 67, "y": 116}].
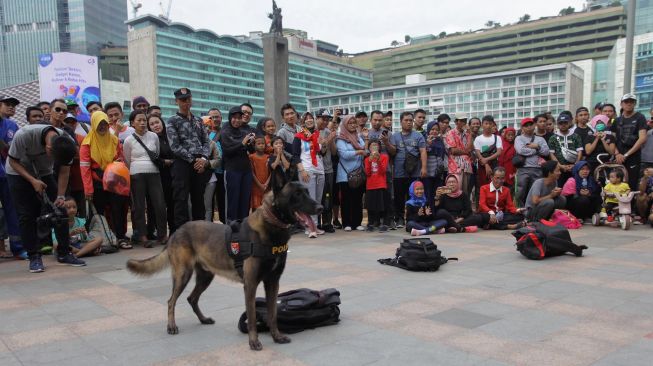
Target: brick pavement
[{"x": 493, "y": 307}]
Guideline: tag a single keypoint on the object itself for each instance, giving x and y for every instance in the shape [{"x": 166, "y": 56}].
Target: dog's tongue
[{"x": 307, "y": 221}]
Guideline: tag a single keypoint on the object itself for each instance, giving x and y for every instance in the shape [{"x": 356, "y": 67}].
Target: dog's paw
[
  {"x": 281, "y": 339},
  {"x": 173, "y": 329},
  {"x": 207, "y": 321},
  {"x": 255, "y": 345}
]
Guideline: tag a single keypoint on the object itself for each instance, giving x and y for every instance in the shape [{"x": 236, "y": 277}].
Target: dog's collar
[{"x": 271, "y": 218}]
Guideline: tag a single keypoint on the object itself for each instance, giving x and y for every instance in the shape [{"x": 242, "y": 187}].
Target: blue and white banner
[
  {"x": 72, "y": 77},
  {"x": 643, "y": 81}
]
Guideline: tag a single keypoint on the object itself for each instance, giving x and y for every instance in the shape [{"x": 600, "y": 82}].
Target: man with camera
[
  {"x": 237, "y": 140},
  {"x": 190, "y": 145},
  {"x": 32, "y": 155}
]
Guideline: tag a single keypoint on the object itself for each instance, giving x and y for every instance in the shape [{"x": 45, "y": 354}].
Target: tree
[
  {"x": 566, "y": 11},
  {"x": 394, "y": 43},
  {"x": 490, "y": 23},
  {"x": 523, "y": 19},
  {"x": 407, "y": 38},
  {"x": 340, "y": 52},
  {"x": 442, "y": 34},
  {"x": 616, "y": 3}
]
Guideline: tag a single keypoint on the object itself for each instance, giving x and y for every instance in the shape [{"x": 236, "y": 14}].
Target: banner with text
[{"x": 72, "y": 77}]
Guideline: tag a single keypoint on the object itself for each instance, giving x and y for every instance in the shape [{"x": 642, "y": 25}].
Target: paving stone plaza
[{"x": 493, "y": 307}]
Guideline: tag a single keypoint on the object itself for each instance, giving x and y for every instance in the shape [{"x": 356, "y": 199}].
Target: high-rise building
[
  {"x": 223, "y": 71},
  {"x": 579, "y": 36},
  {"x": 32, "y": 27},
  {"x": 509, "y": 95}
]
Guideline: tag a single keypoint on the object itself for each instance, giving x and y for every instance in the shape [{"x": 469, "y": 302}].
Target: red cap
[{"x": 526, "y": 120}]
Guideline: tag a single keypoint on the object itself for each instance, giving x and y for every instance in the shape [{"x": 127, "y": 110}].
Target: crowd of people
[{"x": 454, "y": 174}]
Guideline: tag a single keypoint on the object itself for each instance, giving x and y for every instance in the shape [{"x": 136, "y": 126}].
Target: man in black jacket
[{"x": 237, "y": 140}]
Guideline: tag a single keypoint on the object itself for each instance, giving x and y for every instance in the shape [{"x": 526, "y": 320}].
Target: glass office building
[
  {"x": 32, "y": 27},
  {"x": 222, "y": 71},
  {"x": 508, "y": 96},
  {"x": 644, "y": 77}
]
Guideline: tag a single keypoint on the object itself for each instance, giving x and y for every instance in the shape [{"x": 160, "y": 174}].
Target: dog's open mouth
[{"x": 306, "y": 221}]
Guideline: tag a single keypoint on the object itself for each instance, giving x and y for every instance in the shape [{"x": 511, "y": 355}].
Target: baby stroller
[{"x": 621, "y": 213}]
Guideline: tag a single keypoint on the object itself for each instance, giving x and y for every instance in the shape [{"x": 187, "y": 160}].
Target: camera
[
  {"x": 46, "y": 222},
  {"x": 51, "y": 217}
]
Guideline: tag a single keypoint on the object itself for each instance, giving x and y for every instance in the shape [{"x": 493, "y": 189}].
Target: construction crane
[
  {"x": 135, "y": 7},
  {"x": 165, "y": 13}
]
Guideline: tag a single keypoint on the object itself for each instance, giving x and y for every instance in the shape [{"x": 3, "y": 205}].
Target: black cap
[
  {"x": 182, "y": 93},
  {"x": 9, "y": 100},
  {"x": 323, "y": 112},
  {"x": 564, "y": 117},
  {"x": 235, "y": 110}
]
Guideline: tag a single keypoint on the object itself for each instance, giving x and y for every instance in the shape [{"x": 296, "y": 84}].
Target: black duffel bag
[
  {"x": 298, "y": 310},
  {"x": 417, "y": 254}
]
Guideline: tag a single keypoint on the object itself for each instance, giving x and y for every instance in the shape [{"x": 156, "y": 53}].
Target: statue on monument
[{"x": 276, "y": 27}]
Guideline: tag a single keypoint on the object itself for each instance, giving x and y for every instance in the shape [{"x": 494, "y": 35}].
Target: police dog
[{"x": 199, "y": 246}]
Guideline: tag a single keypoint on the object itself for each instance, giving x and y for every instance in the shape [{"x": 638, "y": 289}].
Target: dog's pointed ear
[{"x": 278, "y": 181}]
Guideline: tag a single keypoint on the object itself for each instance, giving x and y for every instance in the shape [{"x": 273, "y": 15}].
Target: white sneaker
[
  {"x": 320, "y": 232},
  {"x": 347, "y": 228},
  {"x": 360, "y": 228},
  {"x": 312, "y": 235}
]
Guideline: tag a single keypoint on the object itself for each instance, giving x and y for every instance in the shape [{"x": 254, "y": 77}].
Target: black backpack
[
  {"x": 298, "y": 310},
  {"x": 538, "y": 240},
  {"x": 417, "y": 254}
]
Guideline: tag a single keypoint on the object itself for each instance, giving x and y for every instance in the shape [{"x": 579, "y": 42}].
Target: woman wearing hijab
[
  {"x": 508, "y": 152},
  {"x": 436, "y": 155},
  {"x": 266, "y": 127},
  {"x": 422, "y": 218},
  {"x": 582, "y": 191},
  {"x": 99, "y": 149},
  {"x": 450, "y": 197},
  {"x": 351, "y": 150},
  {"x": 307, "y": 150}
]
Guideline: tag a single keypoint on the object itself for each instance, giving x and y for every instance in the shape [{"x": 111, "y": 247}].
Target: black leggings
[
  {"x": 583, "y": 207},
  {"x": 440, "y": 214},
  {"x": 482, "y": 220},
  {"x": 116, "y": 203}
]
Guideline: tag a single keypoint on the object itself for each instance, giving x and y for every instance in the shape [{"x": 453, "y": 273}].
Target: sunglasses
[{"x": 59, "y": 110}]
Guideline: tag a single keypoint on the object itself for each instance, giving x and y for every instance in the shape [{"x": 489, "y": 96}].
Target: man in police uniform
[{"x": 190, "y": 145}]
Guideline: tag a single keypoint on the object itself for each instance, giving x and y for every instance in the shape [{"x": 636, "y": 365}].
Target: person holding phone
[
  {"x": 545, "y": 195},
  {"x": 237, "y": 141}
]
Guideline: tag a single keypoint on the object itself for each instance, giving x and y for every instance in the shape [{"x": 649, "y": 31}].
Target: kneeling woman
[
  {"x": 496, "y": 209},
  {"x": 421, "y": 218},
  {"x": 582, "y": 192}
]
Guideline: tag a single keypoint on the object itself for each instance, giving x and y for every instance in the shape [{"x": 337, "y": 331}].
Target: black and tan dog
[{"x": 200, "y": 247}]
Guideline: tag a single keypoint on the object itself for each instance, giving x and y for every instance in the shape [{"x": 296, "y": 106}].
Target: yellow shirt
[{"x": 621, "y": 188}]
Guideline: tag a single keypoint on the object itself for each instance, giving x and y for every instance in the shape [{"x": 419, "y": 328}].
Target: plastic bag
[{"x": 116, "y": 178}]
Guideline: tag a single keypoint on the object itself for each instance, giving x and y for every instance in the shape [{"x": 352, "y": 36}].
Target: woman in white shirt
[
  {"x": 307, "y": 149},
  {"x": 145, "y": 178}
]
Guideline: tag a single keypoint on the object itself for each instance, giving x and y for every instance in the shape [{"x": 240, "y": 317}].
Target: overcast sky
[{"x": 354, "y": 25}]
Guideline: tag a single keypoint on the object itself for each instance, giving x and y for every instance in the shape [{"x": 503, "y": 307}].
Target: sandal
[{"x": 124, "y": 244}]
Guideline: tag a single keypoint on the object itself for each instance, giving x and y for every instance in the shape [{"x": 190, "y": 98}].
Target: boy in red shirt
[{"x": 375, "y": 170}]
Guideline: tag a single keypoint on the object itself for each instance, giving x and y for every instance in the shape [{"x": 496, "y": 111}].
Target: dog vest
[{"x": 240, "y": 246}]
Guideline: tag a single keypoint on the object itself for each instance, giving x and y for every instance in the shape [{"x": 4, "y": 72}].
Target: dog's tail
[{"x": 149, "y": 266}]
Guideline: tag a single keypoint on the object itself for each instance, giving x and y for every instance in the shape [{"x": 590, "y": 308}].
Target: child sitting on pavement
[{"x": 81, "y": 244}]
